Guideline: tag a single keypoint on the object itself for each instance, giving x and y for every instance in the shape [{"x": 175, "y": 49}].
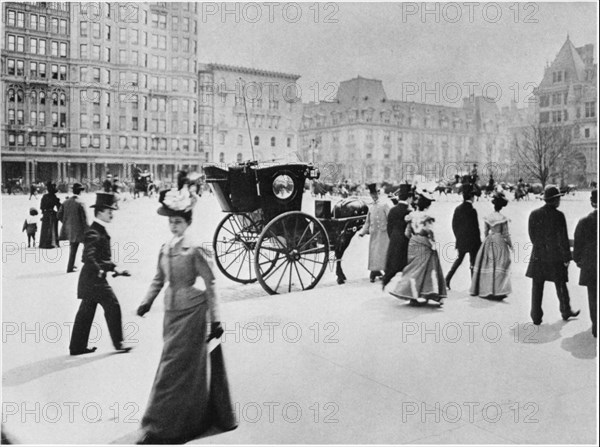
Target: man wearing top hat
[
  {"x": 465, "y": 226},
  {"x": 74, "y": 224},
  {"x": 585, "y": 255},
  {"x": 551, "y": 255},
  {"x": 396, "y": 226},
  {"x": 93, "y": 288},
  {"x": 376, "y": 227}
]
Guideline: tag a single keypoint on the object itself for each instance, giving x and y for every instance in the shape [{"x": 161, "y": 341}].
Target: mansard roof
[{"x": 568, "y": 59}]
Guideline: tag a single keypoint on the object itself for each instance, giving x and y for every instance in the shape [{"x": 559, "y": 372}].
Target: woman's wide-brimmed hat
[
  {"x": 551, "y": 192},
  {"x": 175, "y": 202},
  {"x": 499, "y": 198},
  {"x": 426, "y": 195},
  {"x": 78, "y": 187}
]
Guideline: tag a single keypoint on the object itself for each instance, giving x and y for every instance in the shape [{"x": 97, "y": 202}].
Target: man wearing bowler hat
[
  {"x": 376, "y": 227},
  {"x": 74, "y": 224},
  {"x": 585, "y": 255},
  {"x": 396, "y": 226},
  {"x": 551, "y": 255},
  {"x": 93, "y": 288}
]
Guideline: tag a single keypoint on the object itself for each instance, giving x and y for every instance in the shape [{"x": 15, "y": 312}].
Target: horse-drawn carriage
[
  {"x": 142, "y": 183},
  {"x": 266, "y": 237}
]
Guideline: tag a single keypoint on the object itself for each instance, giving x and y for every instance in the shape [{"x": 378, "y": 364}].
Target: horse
[{"x": 348, "y": 217}]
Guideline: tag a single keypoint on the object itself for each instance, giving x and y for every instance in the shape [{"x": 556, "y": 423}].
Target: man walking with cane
[{"x": 93, "y": 289}]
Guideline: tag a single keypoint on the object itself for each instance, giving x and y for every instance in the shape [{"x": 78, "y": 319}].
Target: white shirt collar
[{"x": 175, "y": 241}]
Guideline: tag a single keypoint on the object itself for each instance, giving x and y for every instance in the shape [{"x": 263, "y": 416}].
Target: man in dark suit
[
  {"x": 107, "y": 184},
  {"x": 93, "y": 288},
  {"x": 465, "y": 226},
  {"x": 74, "y": 224},
  {"x": 585, "y": 255},
  {"x": 551, "y": 255},
  {"x": 396, "y": 226}
]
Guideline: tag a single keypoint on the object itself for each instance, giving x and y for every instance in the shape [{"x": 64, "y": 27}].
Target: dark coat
[
  {"x": 49, "y": 233},
  {"x": 585, "y": 249},
  {"x": 465, "y": 226},
  {"x": 96, "y": 257},
  {"x": 398, "y": 247},
  {"x": 548, "y": 233},
  {"x": 73, "y": 216}
]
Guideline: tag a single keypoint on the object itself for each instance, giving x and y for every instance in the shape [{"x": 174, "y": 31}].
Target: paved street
[{"x": 338, "y": 364}]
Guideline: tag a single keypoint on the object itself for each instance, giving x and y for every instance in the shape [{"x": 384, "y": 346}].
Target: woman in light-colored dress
[{"x": 491, "y": 273}]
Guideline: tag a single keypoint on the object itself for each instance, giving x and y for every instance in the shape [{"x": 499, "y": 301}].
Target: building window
[
  {"x": 272, "y": 141},
  {"x": 10, "y": 66},
  {"x": 11, "y": 21},
  {"x": 42, "y": 70},
  {"x": 21, "y": 20},
  {"x": 10, "y": 43},
  {"x": 83, "y": 29},
  {"x": 54, "y": 48},
  {"x": 122, "y": 142},
  {"x": 63, "y": 26},
  {"x": 42, "y": 26},
  {"x": 222, "y": 157},
  {"x": 20, "y": 44},
  {"x": 83, "y": 51},
  {"x": 590, "y": 110},
  {"x": 256, "y": 141},
  {"x": 20, "y": 68},
  {"x": 63, "y": 72},
  {"x": 33, "y": 46},
  {"x": 107, "y": 31}
]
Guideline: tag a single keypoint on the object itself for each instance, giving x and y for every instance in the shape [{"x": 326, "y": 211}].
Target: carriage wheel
[
  {"x": 233, "y": 244},
  {"x": 291, "y": 253}
]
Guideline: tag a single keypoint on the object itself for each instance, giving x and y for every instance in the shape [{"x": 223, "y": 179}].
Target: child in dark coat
[{"x": 31, "y": 226}]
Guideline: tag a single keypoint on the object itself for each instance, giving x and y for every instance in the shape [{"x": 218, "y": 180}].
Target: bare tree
[{"x": 544, "y": 151}]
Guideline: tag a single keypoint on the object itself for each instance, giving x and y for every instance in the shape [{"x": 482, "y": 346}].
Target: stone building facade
[
  {"x": 568, "y": 95},
  {"x": 274, "y": 114},
  {"x": 365, "y": 137}
]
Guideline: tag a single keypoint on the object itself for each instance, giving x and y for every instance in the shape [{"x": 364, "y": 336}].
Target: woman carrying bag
[{"x": 179, "y": 408}]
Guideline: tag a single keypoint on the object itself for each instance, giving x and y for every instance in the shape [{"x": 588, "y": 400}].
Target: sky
[{"x": 435, "y": 52}]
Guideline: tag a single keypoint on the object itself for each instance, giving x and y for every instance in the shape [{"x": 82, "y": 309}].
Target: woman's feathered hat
[
  {"x": 176, "y": 201},
  {"x": 499, "y": 198}
]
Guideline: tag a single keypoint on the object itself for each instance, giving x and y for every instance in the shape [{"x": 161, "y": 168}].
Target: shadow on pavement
[
  {"x": 486, "y": 303},
  {"x": 530, "y": 333},
  {"x": 32, "y": 371},
  {"x": 581, "y": 346}
]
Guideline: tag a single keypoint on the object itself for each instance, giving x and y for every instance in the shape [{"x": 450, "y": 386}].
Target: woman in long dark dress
[
  {"x": 178, "y": 409},
  {"x": 49, "y": 205}
]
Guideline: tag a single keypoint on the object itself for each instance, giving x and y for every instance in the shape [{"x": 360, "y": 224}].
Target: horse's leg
[{"x": 340, "y": 247}]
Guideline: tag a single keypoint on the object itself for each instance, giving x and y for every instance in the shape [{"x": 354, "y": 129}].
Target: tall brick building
[{"x": 89, "y": 88}]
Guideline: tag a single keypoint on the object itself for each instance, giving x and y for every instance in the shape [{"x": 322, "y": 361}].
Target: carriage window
[{"x": 283, "y": 186}]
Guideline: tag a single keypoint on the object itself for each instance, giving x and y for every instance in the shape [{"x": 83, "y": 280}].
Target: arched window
[
  {"x": 222, "y": 157},
  {"x": 240, "y": 140},
  {"x": 33, "y": 97},
  {"x": 42, "y": 98},
  {"x": 63, "y": 99},
  {"x": 272, "y": 141},
  {"x": 256, "y": 141},
  {"x": 11, "y": 95},
  {"x": 19, "y": 95},
  {"x": 54, "y": 99},
  {"x": 239, "y": 157}
]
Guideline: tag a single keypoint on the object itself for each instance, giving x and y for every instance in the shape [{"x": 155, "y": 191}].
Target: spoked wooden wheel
[
  {"x": 233, "y": 244},
  {"x": 291, "y": 253}
]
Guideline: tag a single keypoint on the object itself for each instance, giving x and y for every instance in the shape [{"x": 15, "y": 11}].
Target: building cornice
[{"x": 247, "y": 70}]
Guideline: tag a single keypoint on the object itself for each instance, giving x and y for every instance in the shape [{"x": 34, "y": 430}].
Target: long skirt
[
  {"x": 49, "y": 232},
  {"x": 178, "y": 406},
  {"x": 491, "y": 273},
  {"x": 423, "y": 276}
]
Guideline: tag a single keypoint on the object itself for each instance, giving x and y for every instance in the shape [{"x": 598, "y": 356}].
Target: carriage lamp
[{"x": 314, "y": 173}]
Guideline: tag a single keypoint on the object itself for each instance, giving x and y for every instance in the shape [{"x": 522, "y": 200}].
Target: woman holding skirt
[
  {"x": 422, "y": 278},
  {"x": 178, "y": 409},
  {"x": 491, "y": 273}
]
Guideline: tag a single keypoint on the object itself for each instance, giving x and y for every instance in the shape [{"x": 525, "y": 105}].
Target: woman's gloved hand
[
  {"x": 143, "y": 309},
  {"x": 216, "y": 330}
]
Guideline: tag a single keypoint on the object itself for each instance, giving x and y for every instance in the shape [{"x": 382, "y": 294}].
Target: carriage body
[{"x": 265, "y": 236}]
